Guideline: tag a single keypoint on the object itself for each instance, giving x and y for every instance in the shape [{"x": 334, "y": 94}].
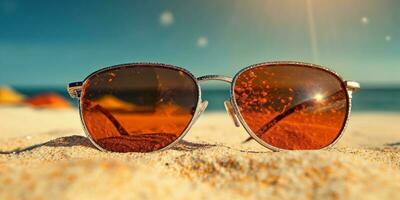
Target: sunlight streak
[{"x": 312, "y": 30}]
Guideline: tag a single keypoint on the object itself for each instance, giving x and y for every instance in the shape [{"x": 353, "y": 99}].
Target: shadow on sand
[
  {"x": 76, "y": 140},
  {"x": 184, "y": 145},
  {"x": 393, "y": 144},
  {"x": 68, "y": 141}
]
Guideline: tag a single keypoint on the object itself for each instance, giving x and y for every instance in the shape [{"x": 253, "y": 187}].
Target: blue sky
[{"x": 46, "y": 42}]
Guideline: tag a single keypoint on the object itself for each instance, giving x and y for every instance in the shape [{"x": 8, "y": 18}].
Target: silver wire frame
[{"x": 75, "y": 89}]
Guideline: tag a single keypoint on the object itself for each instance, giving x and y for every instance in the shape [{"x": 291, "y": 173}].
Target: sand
[{"x": 56, "y": 161}]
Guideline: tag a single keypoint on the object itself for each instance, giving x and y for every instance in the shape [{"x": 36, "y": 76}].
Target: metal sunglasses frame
[{"x": 75, "y": 89}]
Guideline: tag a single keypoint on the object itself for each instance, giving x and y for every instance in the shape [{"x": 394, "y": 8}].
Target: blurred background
[{"x": 46, "y": 44}]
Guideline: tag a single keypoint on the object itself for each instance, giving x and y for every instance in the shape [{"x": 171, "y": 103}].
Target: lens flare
[{"x": 318, "y": 97}]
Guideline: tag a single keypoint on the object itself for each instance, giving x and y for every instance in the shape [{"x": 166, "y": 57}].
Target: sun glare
[{"x": 318, "y": 97}]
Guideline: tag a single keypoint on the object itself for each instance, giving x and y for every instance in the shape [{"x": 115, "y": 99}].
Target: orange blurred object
[
  {"x": 49, "y": 100},
  {"x": 8, "y": 96}
]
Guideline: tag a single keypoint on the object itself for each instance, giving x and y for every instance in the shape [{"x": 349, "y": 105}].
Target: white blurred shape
[
  {"x": 365, "y": 20},
  {"x": 388, "y": 38},
  {"x": 166, "y": 18},
  {"x": 202, "y": 42}
]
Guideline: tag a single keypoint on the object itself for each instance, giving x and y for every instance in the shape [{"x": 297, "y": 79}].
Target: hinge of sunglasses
[
  {"x": 74, "y": 89},
  {"x": 352, "y": 86}
]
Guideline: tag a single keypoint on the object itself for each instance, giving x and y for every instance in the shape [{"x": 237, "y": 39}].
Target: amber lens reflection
[
  {"x": 138, "y": 108},
  {"x": 292, "y": 106}
]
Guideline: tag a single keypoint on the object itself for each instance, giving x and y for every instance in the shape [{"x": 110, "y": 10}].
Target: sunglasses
[{"x": 145, "y": 107}]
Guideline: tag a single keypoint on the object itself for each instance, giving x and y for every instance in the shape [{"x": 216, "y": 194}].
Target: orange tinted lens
[
  {"x": 292, "y": 106},
  {"x": 138, "y": 108}
]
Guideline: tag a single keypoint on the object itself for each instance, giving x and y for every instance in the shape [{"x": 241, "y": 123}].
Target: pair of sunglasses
[{"x": 146, "y": 107}]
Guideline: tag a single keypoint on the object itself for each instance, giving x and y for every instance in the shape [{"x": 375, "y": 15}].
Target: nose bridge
[
  {"x": 215, "y": 78},
  {"x": 228, "y": 105}
]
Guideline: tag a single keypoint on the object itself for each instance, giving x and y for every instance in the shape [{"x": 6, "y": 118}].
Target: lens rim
[
  {"x": 295, "y": 64},
  {"x": 132, "y": 65}
]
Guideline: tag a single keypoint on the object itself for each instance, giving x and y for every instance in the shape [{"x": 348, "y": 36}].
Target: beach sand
[{"x": 56, "y": 161}]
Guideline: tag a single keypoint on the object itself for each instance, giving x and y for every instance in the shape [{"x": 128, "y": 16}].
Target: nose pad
[
  {"x": 231, "y": 112},
  {"x": 203, "y": 106}
]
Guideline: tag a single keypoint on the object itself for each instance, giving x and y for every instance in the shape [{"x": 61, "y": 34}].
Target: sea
[{"x": 383, "y": 99}]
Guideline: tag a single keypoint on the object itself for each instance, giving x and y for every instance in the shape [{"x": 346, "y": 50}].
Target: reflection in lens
[
  {"x": 292, "y": 106},
  {"x": 138, "y": 108}
]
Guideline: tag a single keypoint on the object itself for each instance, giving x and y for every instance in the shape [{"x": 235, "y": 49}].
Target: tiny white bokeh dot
[
  {"x": 365, "y": 20},
  {"x": 202, "y": 42},
  {"x": 388, "y": 38},
  {"x": 166, "y": 18}
]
